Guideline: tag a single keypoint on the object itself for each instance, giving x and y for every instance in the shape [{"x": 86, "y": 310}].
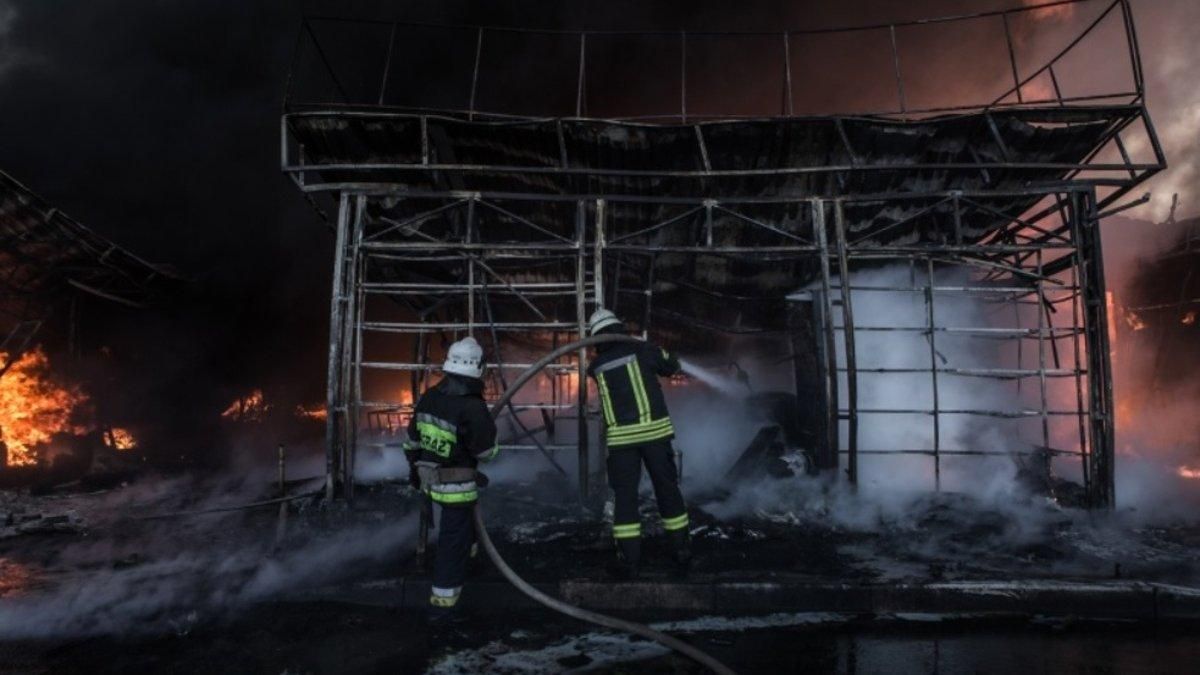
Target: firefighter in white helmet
[
  {"x": 450, "y": 432},
  {"x": 638, "y": 431}
]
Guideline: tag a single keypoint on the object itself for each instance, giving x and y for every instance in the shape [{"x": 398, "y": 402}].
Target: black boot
[
  {"x": 629, "y": 554},
  {"x": 681, "y": 551}
]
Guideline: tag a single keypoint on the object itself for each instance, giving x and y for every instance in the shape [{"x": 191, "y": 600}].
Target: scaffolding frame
[
  {"x": 1039, "y": 251},
  {"x": 1012, "y": 269}
]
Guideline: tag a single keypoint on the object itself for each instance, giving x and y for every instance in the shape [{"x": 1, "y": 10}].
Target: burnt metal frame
[
  {"x": 1022, "y": 280},
  {"x": 1022, "y": 265},
  {"x": 402, "y": 241},
  {"x": 684, "y": 116}
]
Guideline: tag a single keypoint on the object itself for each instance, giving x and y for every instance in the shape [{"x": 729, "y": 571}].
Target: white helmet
[
  {"x": 601, "y": 319},
  {"x": 465, "y": 358}
]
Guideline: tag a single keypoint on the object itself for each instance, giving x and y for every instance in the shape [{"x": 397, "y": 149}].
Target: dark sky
[{"x": 156, "y": 123}]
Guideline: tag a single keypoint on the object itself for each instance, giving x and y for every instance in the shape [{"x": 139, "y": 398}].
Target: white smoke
[
  {"x": 713, "y": 429},
  {"x": 155, "y": 576}
]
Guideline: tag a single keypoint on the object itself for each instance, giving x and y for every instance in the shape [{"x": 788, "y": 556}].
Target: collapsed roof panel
[
  {"x": 45, "y": 254},
  {"x": 769, "y": 158}
]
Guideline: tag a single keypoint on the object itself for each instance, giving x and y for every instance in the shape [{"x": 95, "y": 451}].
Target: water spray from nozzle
[{"x": 729, "y": 386}]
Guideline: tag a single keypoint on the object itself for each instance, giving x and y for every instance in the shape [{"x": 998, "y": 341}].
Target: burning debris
[
  {"x": 252, "y": 407},
  {"x": 34, "y": 408},
  {"x": 315, "y": 412},
  {"x": 120, "y": 439}
]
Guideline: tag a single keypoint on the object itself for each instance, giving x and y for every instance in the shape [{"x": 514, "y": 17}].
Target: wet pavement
[
  {"x": 206, "y": 594},
  {"x": 334, "y": 638}
]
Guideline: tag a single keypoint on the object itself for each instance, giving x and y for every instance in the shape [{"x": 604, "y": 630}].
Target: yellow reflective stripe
[
  {"x": 676, "y": 523},
  {"x": 606, "y": 400},
  {"x": 639, "y": 391},
  {"x": 640, "y": 426},
  {"x": 439, "y": 601},
  {"x": 436, "y": 439},
  {"x": 627, "y": 531},
  {"x": 625, "y": 442},
  {"x": 629, "y": 430},
  {"x": 454, "y": 497},
  {"x": 490, "y": 454}
]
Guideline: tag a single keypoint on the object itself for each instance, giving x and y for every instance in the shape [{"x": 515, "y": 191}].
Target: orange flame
[
  {"x": 249, "y": 408},
  {"x": 1189, "y": 472},
  {"x": 315, "y": 412},
  {"x": 1134, "y": 321},
  {"x": 121, "y": 439},
  {"x": 1189, "y": 318},
  {"x": 33, "y": 408}
]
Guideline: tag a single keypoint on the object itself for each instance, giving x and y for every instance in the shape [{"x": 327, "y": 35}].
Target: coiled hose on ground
[{"x": 555, "y": 604}]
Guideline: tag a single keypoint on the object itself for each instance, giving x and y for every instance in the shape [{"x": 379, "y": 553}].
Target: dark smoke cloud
[{"x": 157, "y": 125}]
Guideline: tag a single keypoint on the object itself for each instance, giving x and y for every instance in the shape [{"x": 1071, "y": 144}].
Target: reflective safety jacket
[
  {"x": 631, "y": 398},
  {"x": 450, "y": 432}
]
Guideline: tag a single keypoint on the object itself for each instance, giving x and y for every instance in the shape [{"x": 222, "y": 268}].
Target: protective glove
[
  {"x": 414, "y": 476},
  {"x": 481, "y": 478}
]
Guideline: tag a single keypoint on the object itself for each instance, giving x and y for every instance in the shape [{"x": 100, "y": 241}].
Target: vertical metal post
[
  {"x": 933, "y": 371},
  {"x": 581, "y": 317},
  {"x": 683, "y": 76},
  {"x": 1076, "y": 347},
  {"x": 847, "y": 314},
  {"x": 833, "y": 405},
  {"x": 787, "y": 73},
  {"x": 1044, "y": 330},
  {"x": 1135, "y": 53},
  {"x": 843, "y": 253},
  {"x": 896, "y": 65},
  {"x": 1054, "y": 82},
  {"x": 649, "y": 297},
  {"x": 351, "y": 343},
  {"x": 1012, "y": 58},
  {"x": 475, "y": 73},
  {"x": 1016, "y": 305},
  {"x": 416, "y": 376},
  {"x": 598, "y": 256},
  {"x": 555, "y": 393},
  {"x": 333, "y": 394},
  {"x": 470, "y": 236},
  {"x": 579, "y": 88},
  {"x": 1095, "y": 317},
  {"x": 387, "y": 64}
]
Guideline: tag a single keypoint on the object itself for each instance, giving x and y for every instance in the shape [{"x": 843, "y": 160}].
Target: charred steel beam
[{"x": 1095, "y": 324}]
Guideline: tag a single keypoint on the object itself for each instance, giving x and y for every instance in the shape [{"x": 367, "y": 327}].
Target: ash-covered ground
[{"x": 103, "y": 587}]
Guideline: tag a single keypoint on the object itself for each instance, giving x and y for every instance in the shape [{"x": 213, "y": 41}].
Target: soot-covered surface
[
  {"x": 228, "y": 592},
  {"x": 931, "y": 538},
  {"x": 339, "y": 638}
]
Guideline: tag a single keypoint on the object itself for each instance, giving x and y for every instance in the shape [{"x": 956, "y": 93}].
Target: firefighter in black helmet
[
  {"x": 638, "y": 431},
  {"x": 449, "y": 434}
]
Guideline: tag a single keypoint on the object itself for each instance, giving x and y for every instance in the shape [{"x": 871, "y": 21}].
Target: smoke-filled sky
[{"x": 156, "y": 124}]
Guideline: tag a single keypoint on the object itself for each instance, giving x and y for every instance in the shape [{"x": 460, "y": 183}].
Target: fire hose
[{"x": 555, "y": 604}]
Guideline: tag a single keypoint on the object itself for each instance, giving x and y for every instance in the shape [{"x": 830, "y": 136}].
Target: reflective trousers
[
  {"x": 456, "y": 535},
  {"x": 624, "y": 474}
]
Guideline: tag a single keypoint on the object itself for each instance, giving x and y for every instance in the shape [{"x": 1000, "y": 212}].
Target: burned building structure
[
  {"x": 52, "y": 264},
  {"x": 505, "y": 182}
]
